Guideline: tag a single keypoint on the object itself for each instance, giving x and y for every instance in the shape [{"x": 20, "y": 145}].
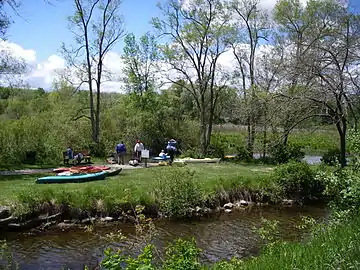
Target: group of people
[
  {"x": 120, "y": 149},
  {"x": 70, "y": 156}
]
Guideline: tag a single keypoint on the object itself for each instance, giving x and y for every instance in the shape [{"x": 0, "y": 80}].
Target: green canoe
[{"x": 72, "y": 178}]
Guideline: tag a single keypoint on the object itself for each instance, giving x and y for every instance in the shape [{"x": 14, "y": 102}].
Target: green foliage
[
  {"x": 7, "y": 261},
  {"x": 114, "y": 260},
  {"x": 177, "y": 191},
  {"x": 297, "y": 179},
  {"x": 219, "y": 145},
  {"x": 332, "y": 248},
  {"x": 182, "y": 254},
  {"x": 331, "y": 157},
  {"x": 269, "y": 231},
  {"x": 343, "y": 187},
  {"x": 282, "y": 154}
]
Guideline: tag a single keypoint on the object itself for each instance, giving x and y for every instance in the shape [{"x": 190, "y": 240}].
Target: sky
[{"x": 40, "y": 28}]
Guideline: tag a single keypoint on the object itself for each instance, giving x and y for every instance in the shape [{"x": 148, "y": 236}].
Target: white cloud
[
  {"x": 17, "y": 51},
  {"x": 44, "y": 73}
]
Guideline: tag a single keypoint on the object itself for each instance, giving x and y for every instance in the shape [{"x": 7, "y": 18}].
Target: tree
[
  {"x": 140, "y": 59},
  {"x": 251, "y": 25},
  {"x": 196, "y": 36},
  {"x": 327, "y": 37},
  {"x": 97, "y": 27}
]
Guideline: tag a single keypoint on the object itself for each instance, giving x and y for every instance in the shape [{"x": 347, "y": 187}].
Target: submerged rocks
[
  {"x": 6, "y": 221},
  {"x": 88, "y": 220},
  {"x": 227, "y": 210},
  {"x": 107, "y": 219},
  {"x": 4, "y": 212},
  {"x": 228, "y": 205},
  {"x": 287, "y": 202}
]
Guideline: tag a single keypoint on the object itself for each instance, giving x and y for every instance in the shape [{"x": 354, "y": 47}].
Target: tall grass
[{"x": 336, "y": 247}]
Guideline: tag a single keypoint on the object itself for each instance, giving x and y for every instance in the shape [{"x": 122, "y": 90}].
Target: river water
[{"x": 220, "y": 236}]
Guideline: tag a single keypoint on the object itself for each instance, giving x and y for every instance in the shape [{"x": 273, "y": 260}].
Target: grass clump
[{"x": 178, "y": 191}]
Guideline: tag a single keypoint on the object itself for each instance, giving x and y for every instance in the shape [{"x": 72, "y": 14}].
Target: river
[{"x": 220, "y": 236}]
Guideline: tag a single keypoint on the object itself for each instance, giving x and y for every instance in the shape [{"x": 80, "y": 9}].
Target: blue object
[
  {"x": 72, "y": 178},
  {"x": 120, "y": 148},
  {"x": 70, "y": 153},
  {"x": 162, "y": 158}
]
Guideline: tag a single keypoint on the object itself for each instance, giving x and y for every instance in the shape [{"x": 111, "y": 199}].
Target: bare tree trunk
[
  {"x": 341, "y": 127},
  {"x": 264, "y": 134}
]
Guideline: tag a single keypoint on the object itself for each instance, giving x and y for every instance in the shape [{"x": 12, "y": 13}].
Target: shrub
[
  {"x": 219, "y": 145},
  {"x": 297, "y": 179},
  {"x": 331, "y": 157},
  {"x": 242, "y": 153},
  {"x": 177, "y": 192},
  {"x": 282, "y": 154},
  {"x": 343, "y": 187},
  {"x": 182, "y": 254}
]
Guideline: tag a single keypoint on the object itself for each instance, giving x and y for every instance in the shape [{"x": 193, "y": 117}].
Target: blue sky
[{"x": 42, "y": 27}]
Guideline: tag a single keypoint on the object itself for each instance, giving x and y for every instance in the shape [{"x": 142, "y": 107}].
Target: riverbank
[{"x": 195, "y": 189}]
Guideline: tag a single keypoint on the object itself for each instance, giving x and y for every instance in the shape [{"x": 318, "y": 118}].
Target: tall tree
[
  {"x": 196, "y": 36},
  {"x": 97, "y": 26},
  {"x": 328, "y": 38},
  {"x": 251, "y": 25},
  {"x": 140, "y": 68}
]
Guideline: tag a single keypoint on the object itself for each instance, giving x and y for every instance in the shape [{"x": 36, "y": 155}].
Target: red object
[
  {"x": 59, "y": 170},
  {"x": 85, "y": 169}
]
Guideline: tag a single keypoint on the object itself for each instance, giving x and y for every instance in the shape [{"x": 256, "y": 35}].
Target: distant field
[{"x": 315, "y": 141}]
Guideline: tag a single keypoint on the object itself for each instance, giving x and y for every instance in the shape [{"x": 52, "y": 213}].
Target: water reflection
[{"x": 221, "y": 236}]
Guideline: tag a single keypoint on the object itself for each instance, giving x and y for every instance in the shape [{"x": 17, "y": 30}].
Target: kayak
[
  {"x": 113, "y": 172},
  {"x": 79, "y": 178},
  {"x": 161, "y": 158},
  {"x": 78, "y": 169},
  {"x": 198, "y": 160}
]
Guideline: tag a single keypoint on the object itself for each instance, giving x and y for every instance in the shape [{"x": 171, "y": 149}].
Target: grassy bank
[
  {"x": 335, "y": 247},
  {"x": 139, "y": 186}
]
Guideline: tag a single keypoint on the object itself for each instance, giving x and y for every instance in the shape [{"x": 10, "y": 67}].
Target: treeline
[
  {"x": 293, "y": 66},
  {"x": 45, "y": 123}
]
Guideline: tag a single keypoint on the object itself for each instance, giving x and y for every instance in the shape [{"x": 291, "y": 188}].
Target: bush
[
  {"x": 182, "y": 254},
  {"x": 282, "y": 154},
  {"x": 343, "y": 187},
  {"x": 331, "y": 157},
  {"x": 177, "y": 192},
  {"x": 242, "y": 153},
  {"x": 297, "y": 179},
  {"x": 219, "y": 145}
]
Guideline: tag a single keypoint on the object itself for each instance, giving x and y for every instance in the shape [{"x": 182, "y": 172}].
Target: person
[
  {"x": 138, "y": 148},
  {"x": 171, "y": 149},
  {"x": 68, "y": 155},
  {"x": 120, "y": 153},
  {"x": 78, "y": 157},
  {"x": 162, "y": 154}
]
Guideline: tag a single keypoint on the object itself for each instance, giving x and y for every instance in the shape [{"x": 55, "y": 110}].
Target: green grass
[
  {"x": 336, "y": 247},
  {"x": 135, "y": 186},
  {"x": 314, "y": 142}
]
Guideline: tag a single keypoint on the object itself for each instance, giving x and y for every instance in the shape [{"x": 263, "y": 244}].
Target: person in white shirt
[{"x": 138, "y": 148}]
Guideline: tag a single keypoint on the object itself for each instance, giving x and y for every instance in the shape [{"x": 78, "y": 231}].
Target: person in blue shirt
[
  {"x": 171, "y": 149},
  {"x": 120, "y": 153}
]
